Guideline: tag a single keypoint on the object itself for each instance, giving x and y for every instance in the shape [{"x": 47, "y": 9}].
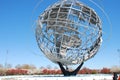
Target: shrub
[{"x": 16, "y": 72}]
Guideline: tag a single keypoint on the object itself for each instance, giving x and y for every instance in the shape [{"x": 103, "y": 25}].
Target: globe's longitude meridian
[{"x": 69, "y": 32}]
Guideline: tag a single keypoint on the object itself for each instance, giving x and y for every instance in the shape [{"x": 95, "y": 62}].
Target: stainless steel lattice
[{"x": 69, "y": 32}]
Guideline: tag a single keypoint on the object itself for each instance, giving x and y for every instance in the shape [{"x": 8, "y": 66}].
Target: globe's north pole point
[{"x": 69, "y": 32}]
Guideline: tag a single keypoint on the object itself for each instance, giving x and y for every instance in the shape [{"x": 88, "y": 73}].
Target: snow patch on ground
[{"x": 52, "y": 77}]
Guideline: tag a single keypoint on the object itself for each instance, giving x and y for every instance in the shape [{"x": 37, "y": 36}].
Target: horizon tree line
[{"x": 30, "y": 69}]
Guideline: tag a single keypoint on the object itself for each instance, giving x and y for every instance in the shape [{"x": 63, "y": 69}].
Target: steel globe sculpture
[{"x": 69, "y": 32}]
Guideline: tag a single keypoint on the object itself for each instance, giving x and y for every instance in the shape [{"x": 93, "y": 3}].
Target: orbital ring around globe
[{"x": 69, "y": 32}]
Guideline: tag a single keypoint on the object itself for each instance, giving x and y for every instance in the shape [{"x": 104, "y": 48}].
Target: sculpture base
[{"x": 66, "y": 72}]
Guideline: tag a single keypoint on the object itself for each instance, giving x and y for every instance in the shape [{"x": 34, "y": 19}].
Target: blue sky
[{"x": 18, "y": 39}]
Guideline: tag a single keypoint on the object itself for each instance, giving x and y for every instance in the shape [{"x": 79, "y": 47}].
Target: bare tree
[
  {"x": 55, "y": 67},
  {"x": 49, "y": 67},
  {"x": 25, "y": 66},
  {"x": 32, "y": 66},
  {"x": 2, "y": 71},
  {"x": 1, "y": 66},
  {"x": 115, "y": 69},
  {"x": 18, "y": 66},
  {"x": 8, "y": 66},
  {"x": 119, "y": 56},
  {"x": 41, "y": 67}
]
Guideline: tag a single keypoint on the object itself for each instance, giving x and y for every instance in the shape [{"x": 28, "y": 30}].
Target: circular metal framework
[{"x": 69, "y": 32}]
